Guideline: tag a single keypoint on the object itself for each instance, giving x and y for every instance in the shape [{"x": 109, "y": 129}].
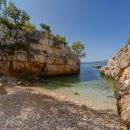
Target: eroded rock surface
[
  {"x": 35, "y": 54},
  {"x": 118, "y": 68}
]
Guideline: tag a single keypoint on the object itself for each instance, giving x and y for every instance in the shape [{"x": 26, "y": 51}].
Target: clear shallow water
[{"x": 93, "y": 89}]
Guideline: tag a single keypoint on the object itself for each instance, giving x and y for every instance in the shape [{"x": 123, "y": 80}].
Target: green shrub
[
  {"x": 7, "y": 23},
  {"x": 128, "y": 41},
  {"x": 58, "y": 39},
  {"x": 28, "y": 27},
  {"x": 45, "y": 27},
  {"x": 78, "y": 48}
]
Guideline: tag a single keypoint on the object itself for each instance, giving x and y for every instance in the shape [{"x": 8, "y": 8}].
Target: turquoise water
[{"x": 93, "y": 89}]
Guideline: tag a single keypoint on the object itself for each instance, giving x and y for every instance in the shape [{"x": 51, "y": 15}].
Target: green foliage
[
  {"x": 7, "y": 23},
  {"x": 128, "y": 41},
  {"x": 24, "y": 17},
  {"x": 16, "y": 19},
  {"x": 45, "y": 27},
  {"x": 13, "y": 12},
  {"x": 60, "y": 40},
  {"x": 78, "y": 48},
  {"x": 28, "y": 27},
  {"x": 3, "y": 8},
  {"x": 17, "y": 16}
]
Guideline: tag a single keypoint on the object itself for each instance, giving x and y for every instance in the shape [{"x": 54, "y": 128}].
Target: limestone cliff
[
  {"x": 118, "y": 68},
  {"x": 35, "y": 54}
]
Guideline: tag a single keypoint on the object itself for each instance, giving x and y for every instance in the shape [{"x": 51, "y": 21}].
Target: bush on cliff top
[
  {"x": 17, "y": 19},
  {"x": 6, "y": 22},
  {"x": 28, "y": 27},
  {"x": 58, "y": 39},
  {"x": 45, "y": 27},
  {"x": 128, "y": 41},
  {"x": 78, "y": 48},
  {"x": 17, "y": 16},
  {"x": 3, "y": 7}
]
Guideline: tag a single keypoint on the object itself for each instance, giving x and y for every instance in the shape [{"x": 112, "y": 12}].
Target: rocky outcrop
[
  {"x": 118, "y": 68},
  {"x": 123, "y": 104},
  {"x": 34, "y": 54}
]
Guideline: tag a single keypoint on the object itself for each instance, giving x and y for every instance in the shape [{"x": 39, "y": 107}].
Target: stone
[
  {"x": 84, "y": 107},
  {"x": 63, "y": 97},
  {"x": 19, "y": 83},
  {"x": 76, "y": 93},
  {"x": 36, "y": 55},
  {"x": 1, "y": 84},
  {"x": 118, "y": 68},
  {"x": 2, "y": 89}
]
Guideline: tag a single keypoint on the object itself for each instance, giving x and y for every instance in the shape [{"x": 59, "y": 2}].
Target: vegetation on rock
[
  {"x": 17, "y": 20},
  {"x": 128, "y": 41},
  {"x": 3, "y": 7},
  {"x": 118, "y": 68},
  {"x": 78, "y": 48},
  {"x": 13, "y": 17},
  {"x": 45, "y": 27},
  {"x": 28, "y": 27},
  {"x": 60, "y": 40}
]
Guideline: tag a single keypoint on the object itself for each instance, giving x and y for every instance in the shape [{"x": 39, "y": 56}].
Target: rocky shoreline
[
  {"x": 24, "y": 108},
  {"x": 118, "y": 68}
]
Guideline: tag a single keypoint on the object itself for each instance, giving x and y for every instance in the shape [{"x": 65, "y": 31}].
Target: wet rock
[{"x": 76, "y": 93}]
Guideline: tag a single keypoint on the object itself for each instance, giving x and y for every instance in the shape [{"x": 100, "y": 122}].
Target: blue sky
[{"x": 102, "y": 25}]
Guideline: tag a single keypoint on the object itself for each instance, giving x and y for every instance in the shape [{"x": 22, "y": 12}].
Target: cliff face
[
  {"x": 35, "y": 54},
  {"x": 118, "y": 68}
]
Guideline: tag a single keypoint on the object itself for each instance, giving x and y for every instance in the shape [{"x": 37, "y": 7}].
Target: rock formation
[
  {"x": 118, "y": 68},
  {"x": 34, "y": 54}
]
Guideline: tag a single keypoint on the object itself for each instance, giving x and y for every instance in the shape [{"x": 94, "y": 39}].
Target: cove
[{"x": 89, "y": 87}]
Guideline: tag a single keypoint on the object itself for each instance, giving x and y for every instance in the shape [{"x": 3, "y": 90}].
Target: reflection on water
[{"x": 94, "y": 90}]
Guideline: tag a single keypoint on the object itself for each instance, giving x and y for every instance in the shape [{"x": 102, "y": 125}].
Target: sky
[{"x": 102, "y": 25}]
